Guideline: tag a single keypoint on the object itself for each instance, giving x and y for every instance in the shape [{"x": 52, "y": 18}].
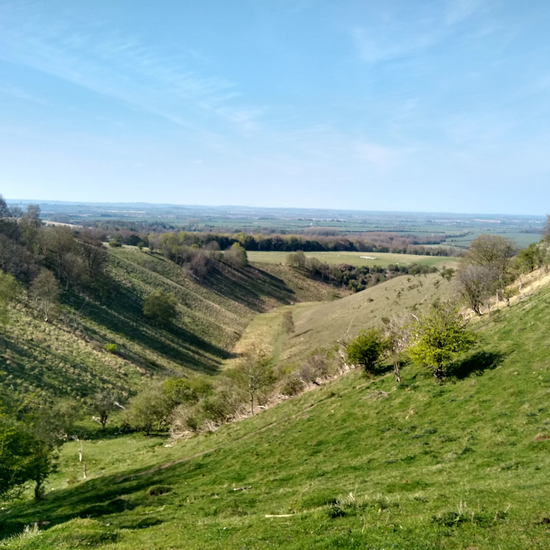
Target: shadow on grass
[
  {"x": 95, "y": 498},
  {"x": 249, "y": 286},
  {"x": 476, "y": 364},
  {"x": 123, "y": 314}
]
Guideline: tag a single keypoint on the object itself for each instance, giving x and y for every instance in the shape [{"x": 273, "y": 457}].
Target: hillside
[
  {"x": 319, "y": 326},
  {"x": 358, "y": 463},
  {"x": 65, "y": 357}
]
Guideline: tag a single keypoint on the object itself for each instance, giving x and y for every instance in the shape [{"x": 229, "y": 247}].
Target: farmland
[{"x": 357, "y": 258}]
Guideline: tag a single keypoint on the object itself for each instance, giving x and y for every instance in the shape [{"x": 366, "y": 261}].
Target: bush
[
  {"x": 111, "y": 348},
  {"x": 293, "y": 385},
  {"x": 160, "y": 307},
  {"x": 366, "y": 350}
]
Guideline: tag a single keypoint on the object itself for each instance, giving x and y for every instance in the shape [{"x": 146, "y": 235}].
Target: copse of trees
[
  {"x": 77, "y": 259},
  {"x": 309, "y": 241},
  {"x": 355, "y": 278}
]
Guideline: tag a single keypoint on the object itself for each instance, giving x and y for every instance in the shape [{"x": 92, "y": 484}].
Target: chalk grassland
[
  {"x": 66, "y": 357},
  {"x": 358, "y": 463},
  {"x": 356, "y": 258},
  {"x": 320, "y": 326}
]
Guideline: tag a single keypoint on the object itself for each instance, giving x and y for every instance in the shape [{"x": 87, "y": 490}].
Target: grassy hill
[
  {"x": 358, "y": 463},
  {"x": 319, "y": 326},
  {"x": 66, "y": 357}
]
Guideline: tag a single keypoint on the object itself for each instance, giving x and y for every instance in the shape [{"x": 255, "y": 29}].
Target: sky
[{"x": 411, "y": 105}]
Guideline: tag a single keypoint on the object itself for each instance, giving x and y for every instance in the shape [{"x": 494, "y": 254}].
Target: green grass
[
  {"x": 66, "y": 357},
  {"x": 356, "y": 258},
  {"x": 357, "y": 463}
]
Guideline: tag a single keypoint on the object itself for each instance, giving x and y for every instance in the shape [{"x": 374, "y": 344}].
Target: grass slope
[
  {"x": 355, "y": 464},
  {"x": 318, "y": 326},
  {"x": 66, "y": 357}
]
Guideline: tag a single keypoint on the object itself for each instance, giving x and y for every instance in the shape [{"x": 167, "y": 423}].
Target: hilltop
[{"x": 356, "y": 463}]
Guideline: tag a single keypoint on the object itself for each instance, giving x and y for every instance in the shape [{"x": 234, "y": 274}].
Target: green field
[
  {"x": 356, "y": 258},
  {"x": 358, "y": 463}
]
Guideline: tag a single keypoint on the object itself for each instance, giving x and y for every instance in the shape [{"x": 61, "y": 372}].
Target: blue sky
[{"x": 412, "y": 105}]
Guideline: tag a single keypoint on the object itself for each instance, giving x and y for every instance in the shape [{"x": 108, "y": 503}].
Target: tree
[
  {"x": 475, "y": 283},
  {"x": 438, "y": 335},
  {"x": 397, "y": 336},
  {"x": 236, "y": 256},
  {"x": 491, "y": 251},
  {"x": 150, "y": 408},
  {"x": 160, "y": 307},
  {"x": 45, "y": 293},
  {"x": 254, "y": 373},
  {"x": 27, "y": 447},
  {"x": 103, "y": 404},
  {"x": 94, "y": 255},
  {"x": 531, "y": 257},
  {"x": 366, "y": 349}
]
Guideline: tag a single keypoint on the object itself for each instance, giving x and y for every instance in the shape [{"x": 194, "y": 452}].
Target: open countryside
[{"x": 274, "y": 275}]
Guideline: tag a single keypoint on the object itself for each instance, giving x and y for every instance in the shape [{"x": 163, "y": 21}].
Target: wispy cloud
[
  {"x": 121, "y": 68},
  {"x": 393, "y": 35}
]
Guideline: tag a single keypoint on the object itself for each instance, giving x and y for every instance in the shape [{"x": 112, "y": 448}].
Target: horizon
[{"x": 226, "y": 206}]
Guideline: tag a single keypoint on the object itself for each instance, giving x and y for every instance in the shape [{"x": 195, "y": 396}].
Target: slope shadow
[
  {"x": 33, "y": 365},
  {"x": 173, "y": 342},
  {"x": 476, "y": 364},
  {"x": 248, "y": 286}
]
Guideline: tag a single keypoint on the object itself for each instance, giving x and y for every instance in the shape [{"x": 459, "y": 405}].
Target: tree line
[{"x": 354, "y": 278}]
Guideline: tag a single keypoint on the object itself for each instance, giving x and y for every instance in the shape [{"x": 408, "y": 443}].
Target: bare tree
[
  {"x": 475, "y": 283},
  {"x": 398, "y": 335},
  {"x": 45, "y": 293}
]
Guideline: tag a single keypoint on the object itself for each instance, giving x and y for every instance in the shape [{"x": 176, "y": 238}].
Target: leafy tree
[
  {"x": 28, "y": 446},
  {"x": 532, "y": 257},
  {"x": 366, "y": 349},
  {"x": 160, "y": 307},
  {"x": 45, "y": 293},
  {"x": 438, "y": 335},
  {"x": 236, "y": 256},
  {"x": 150, "y": 408},
  {"x": 254, "y": 373},
  {"x": 103, "y": 404}
]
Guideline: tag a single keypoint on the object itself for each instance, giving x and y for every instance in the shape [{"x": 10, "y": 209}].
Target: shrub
[
  {"x": 111, "y": 348},
  {"x": 293, "y": 385},
  {"x": 160, "y": 307}
]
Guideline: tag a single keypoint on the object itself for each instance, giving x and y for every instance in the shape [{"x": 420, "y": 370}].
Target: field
[
  {"x": 357, "y": 258},
  {"x": 357, "y": 463}
]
